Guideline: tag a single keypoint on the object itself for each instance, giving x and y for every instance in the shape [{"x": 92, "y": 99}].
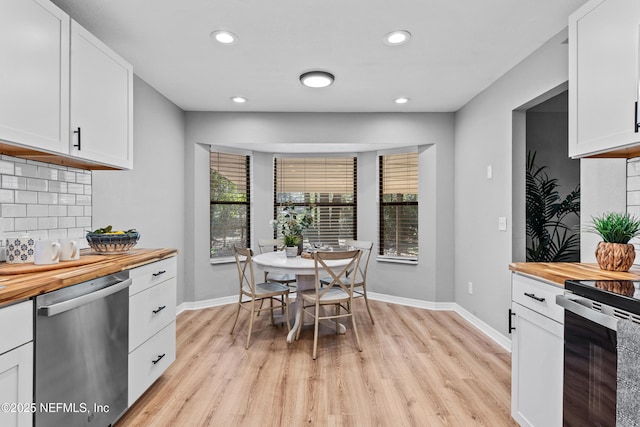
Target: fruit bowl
[{"x": 112, "y": 243}]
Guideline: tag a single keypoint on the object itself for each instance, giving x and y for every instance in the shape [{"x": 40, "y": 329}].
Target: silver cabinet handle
[
  {"x": 587, "y": 313},
  {"x": 61, "y": 307}
]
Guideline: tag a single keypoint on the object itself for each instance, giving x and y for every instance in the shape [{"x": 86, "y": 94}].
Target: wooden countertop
[
  {"x": 22, "y": 286},
  {"x": 558, "y": 272}
]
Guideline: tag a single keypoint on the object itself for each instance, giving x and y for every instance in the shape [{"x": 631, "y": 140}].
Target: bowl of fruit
[{"x": 108, "y": 241}]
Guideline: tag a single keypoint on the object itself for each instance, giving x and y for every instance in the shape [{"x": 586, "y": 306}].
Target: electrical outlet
[{"x": 471, "y": 288}]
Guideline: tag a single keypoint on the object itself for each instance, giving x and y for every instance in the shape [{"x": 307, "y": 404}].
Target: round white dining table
[{"x": 304, "y": 270}]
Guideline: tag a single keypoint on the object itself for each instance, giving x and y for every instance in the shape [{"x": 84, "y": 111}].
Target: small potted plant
[
  {"x": 291, "y": 243},
  {"x": 615, "y": 253}
]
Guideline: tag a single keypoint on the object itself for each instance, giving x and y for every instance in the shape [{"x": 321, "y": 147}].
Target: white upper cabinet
[
  {"x": 604, "y": 51},
  {"x": 34, "y": 75},
  {"x": 101, "y": 102}
]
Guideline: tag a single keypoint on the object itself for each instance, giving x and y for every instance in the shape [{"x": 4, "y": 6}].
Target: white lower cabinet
[
  {"x": 16, "y": 365},
  {"x": 537, "y": 349},
  {"x": 152, "y": 324}
]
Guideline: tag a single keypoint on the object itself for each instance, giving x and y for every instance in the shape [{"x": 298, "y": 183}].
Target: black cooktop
[{"x": 623, "y": 294}]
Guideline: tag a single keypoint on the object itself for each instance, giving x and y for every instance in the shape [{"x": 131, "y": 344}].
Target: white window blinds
[
  {"x": 326, "y": 185},
  {"x": 230, "y": 202},
  {"x": 398, "y": 196}
]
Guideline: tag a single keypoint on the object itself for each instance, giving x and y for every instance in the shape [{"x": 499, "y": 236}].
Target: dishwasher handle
[
  {"x": 587, "y": 313},
  {"x": 61, "y": 307}
]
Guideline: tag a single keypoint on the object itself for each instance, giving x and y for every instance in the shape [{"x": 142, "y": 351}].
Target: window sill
[
  {"x": 397, "y": 260},
  {"x": 222, "y": 260}
]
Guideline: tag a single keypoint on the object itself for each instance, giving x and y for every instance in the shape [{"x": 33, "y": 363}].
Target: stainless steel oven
[
  {"x": 81, "y": 353},
  {"x": 592, "y": 311}
]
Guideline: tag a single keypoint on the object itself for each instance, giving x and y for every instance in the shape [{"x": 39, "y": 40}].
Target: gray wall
[
  {"x": 484, "y": 137},
  {"x": 150, "y": 197},
  {"x": 430, "y": 280}
]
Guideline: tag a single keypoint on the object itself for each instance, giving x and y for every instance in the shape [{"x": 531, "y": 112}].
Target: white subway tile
[
  {"x": 26, "y": 224},
  {"x": 26, "y": 170},
  {"x": 83, "y": 221},
  {"x": 67, "y": 222},
  {"x": 84, "y": 177},
  {"x": 35, "y": 184},
  {"x": 83, "y": 200},
  {"x": 58, "y": 233},
  {"x": 67, "y": 176},
  {"x": 7, "y": 224},
  {"x": 74, "y": 188},
  {"x": 57, "y": 187},
  {"x": 58, "y": 210},
  {"x": 87, "y": 190},
  {"x": 48, "y": 198},
  {"x": 7, "y": 196},
  {"x": 66, "y": 199},
  {"x": 634, "y": 211},
  {"x": 13, "y": 211},
  {"x": 47, "y": 173},
  {"x": 633, "y": 183},
  {"x": 633, "y": 198},
  {"x": 14, "y": 182},
  {"x": 76, "y": 210},
  {"x": 78, "y": 233},
  {"x": 45, "y": 223},
  {"x": 23, "y": 196},
  {"x": 6, "y": 168},
  {"x": 37, "y": 210},
  {"x": 13, "y": 159},
  {"x": 87, "y": 211}
]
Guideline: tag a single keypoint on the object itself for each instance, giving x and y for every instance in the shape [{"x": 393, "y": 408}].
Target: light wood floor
[{"x": 417, "y": 368}]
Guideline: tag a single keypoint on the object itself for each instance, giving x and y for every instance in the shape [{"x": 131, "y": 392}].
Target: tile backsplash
[{"x": 43, "y": 200}]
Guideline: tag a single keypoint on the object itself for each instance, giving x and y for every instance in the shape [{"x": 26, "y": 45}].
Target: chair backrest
[
  {"x": 268, "y": 245},
  {"x": 365, "y": 253},
  {"x": 244, "y": 264},
  {"x": 337, "y": 275}
]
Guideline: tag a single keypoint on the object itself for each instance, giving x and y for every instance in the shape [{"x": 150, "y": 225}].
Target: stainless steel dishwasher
[{"x": 81, "y": 353}]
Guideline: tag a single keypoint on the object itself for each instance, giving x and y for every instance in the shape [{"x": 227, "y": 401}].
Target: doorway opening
[{"x": 546, "y": 183}]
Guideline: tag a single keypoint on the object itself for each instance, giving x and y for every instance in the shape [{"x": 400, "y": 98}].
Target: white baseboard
[{"x": 429, "y": 305}]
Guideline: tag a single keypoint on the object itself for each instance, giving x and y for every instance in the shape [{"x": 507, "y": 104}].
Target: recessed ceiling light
[
  {"x": 239, "y": 99},
  {"x": 317, "y": 79},
  {"x": 401, "y": 100},
  {"x": 224, "y": 37},
  {"x": 397, "y": 37}
]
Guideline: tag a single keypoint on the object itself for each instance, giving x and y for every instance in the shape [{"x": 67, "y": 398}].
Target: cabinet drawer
[
  {"x": 151, "y": 274},
  {"x": 150, "y": 311},
  {"x": 150, "y": 360},
  {"x": 538, "y": 296},
  {"x": 20, "y": 318}
]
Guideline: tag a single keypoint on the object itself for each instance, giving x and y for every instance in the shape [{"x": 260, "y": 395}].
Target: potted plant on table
[
  {"x": 290, "y": 223},
  {"x": 615, "y": 253}
]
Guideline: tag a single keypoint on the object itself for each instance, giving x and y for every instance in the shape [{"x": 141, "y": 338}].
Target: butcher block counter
[
  {"x": 16, "y": 287},
  {"x": 558, "y": 272}
]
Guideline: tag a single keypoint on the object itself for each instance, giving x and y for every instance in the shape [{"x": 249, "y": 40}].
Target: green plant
[
  {"x": 292, "y": 221},
  {"x": 615, "y": 227},
  {"x": 291, "y": 240},
  {"x": 549, "y": 238}
]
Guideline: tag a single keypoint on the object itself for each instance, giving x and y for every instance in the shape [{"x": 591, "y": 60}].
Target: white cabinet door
[
  {"x": 34, "y": 75},
  {"x": 101, "y": 102},
  {"x": 603, "y": 76},
  {"x": 16, "y": 386},
  {"x": 537, "y": 354}
]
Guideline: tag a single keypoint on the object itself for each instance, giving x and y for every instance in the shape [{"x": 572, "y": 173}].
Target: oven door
[{"x": 590, "y": 365}]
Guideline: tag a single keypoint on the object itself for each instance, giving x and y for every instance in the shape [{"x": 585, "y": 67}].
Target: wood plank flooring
[{"x": 417, "y": 368}]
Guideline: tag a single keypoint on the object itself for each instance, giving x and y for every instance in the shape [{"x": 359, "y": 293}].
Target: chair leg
[
  {"x": 237, "y": 315},
  {"x": 315, "y": 330},
  {"x": 253, "y": 310},
  {"x": 366, "y": 301},
  {"x": 300, "y": 301},
  {"x": 271, "y": 311},
  {"x": 286, "y": 311},
  {"x": 355, "y": 331},
  {"x": 337, "y": 314}
]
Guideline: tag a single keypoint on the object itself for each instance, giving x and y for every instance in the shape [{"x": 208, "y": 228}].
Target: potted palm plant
[{"x": 614, "y": 252}]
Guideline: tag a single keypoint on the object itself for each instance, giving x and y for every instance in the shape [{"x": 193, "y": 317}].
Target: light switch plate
[
  {"x": 489, "y": 172},
  {"x": 502, "y": 223}
]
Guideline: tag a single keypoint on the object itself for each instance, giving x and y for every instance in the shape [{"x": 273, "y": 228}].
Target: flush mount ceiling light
[
  {"x": 401, "y": 100},
  {"x": 239, "y": 99},
  {"x": 224, "y": 37},
  {"x": 317, "y": 79},
  {"x": 395, "y": 38}
]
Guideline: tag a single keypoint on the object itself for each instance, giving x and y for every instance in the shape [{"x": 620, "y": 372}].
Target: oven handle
[
  {"x": 589, "y": 314},
  {"x": 61, "y": 307}
]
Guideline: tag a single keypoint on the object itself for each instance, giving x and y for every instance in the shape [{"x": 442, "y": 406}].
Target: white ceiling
[{"x": 458, "y": 48}]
